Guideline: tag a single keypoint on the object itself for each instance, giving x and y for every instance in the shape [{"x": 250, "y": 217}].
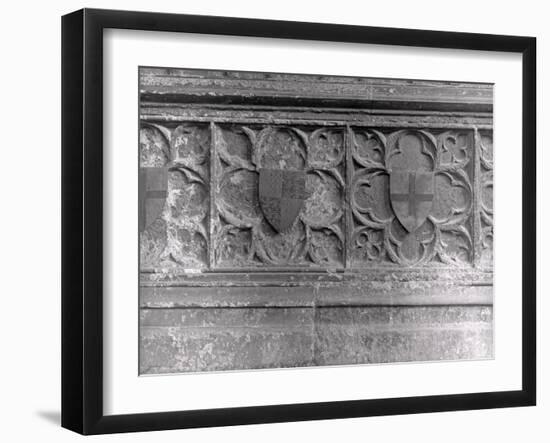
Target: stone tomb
[{"x": 297, "y": 220}]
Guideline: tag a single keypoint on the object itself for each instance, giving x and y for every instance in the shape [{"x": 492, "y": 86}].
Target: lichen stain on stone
[
  {"x": 153, "y": 242},
  {"x": 234, "y": 247},
  {"x": 283, "y": 150},
  {"x": 324, "y": 199},
  {"x": 239, "y": 194},
  {"x": 153, "y": 147},
  {"x": 188, "y": 202},
  {"x": 286, "y": 246},
  {"x": 327, "y": 247},
  {"x": 327, "y": 147},
  {"x": 236, "y": 143},
  {"x": 187, "y": 247},
  {"x": 191, "y": 142}
]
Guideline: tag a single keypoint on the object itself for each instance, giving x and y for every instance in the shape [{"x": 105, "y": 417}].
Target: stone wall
[{"x": 385, "y": 255}]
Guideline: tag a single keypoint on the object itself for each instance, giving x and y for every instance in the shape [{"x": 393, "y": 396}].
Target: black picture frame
[{"x": 82, "y": 216}]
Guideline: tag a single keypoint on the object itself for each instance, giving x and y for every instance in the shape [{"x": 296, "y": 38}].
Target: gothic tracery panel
[
  {"x": 341, "y": 170},
  {"x": 177, "y": 234},
  {"x": 245, "y": 229},
  {"x": 486, "y": 197},
  {"x": 408, "y": 226},
  {"x": 293, "y": 220}
]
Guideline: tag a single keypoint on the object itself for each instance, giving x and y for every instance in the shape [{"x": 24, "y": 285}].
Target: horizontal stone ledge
[
  {"x": 232, "y": 87},
  {"x": 310, "y": 277},
  {"x": 373, "y": 294},
  {"x": 184, "y": 340},
  {"x": 356, "y": 118}
]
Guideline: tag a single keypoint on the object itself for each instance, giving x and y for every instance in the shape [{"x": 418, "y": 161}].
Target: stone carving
[
  {"x": 178, "y": 235},
  {"x": 153, "y": 183},
  {"x": 154, "y": 153},
  {"x": 412, "y": 196},
  {"x": 246, "y": 230},
  {"x": 485, "y": 151},
  {"x": 411, "y": 227},
  {"x": 313, "y": 220},
  {"x": 316, "y": 197},
  {"x": 282, "y": 195}
]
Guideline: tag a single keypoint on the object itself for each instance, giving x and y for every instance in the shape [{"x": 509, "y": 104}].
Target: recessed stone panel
[{"x": 292, "y": 220}]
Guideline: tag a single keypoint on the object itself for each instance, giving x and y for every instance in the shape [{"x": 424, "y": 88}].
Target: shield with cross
[
  {"x": 282, "y": 195},
  {"x": 153, "y": 187},
  {"x": 411, "y": 195}
]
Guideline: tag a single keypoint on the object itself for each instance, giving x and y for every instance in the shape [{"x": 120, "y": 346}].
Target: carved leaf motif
[
  {"x": 369, "y": 243},
  {"x": 154, "y": 149},
  {"x": 234, "y": 246},
  {"x": 325, "y": 247},
  {"x": 455, "y": 151},
  {"x": 319, "y": 225},
  {"x": 190, "y": 145},
  {"x": 324, "y": 204},
  {"x": 448, "y": 156},
  {"x": 325, "y": 148},
  {"x": 152, "y": 245},
  {"x": 453, "y": 202},
  {"x": 182, "y": 227},
  {"x": 485, "y": 140},
  {"x": 369, "y": 149},
  {"x": 232, "y": 145}
]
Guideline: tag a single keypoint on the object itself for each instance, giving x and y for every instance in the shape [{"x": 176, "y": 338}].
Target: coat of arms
[
  {"x": 411, "y": 195},
  {"x": 282, "y": 194},
  {"x": 153, "y": 186}
]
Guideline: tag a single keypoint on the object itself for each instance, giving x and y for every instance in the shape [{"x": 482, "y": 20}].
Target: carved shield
[
  {"x": 282, "y": 194},
  {"x": 411, "y": 195},
  {"x": 153, "y": 186}
]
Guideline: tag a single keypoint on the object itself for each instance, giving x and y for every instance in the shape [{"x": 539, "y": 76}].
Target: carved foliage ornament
[
  {"x": 174, "y": 195},
  {"x": 233, "y": 196},
  {"x": 279, "y": 199},
  {"x": 426, "y": 178}
]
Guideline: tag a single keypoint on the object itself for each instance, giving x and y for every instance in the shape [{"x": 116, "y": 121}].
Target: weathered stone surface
[
  {"x": 485, "y": 141},
  {"x": 178, "y": 340},
  {"x": 189, "y": 86},
  {"x": 336, "y": 294},
  {"x": 217, "y": 221},
  {"x": 178, "y": 237},
  {"x": 315, "y": 237},
  {"x": 354, "y": 275},
  {"x": 400, "y": 334},
  {"x": 378, "y": 235}
]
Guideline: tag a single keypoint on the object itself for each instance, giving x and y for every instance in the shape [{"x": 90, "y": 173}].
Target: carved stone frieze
[
  {"x": 178, "y": 237},
  {"x": 485, "y": 151},
  {"x": 243, "y": 233},
  {"x": 293, "y": 220},
  {"x": 346, "y": 215},
  {"x": 286, "y": 189},
  {"x": 380, "y": 236}
]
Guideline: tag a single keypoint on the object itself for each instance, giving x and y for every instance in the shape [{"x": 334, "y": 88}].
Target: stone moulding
[
  {"x": 251, "y": 88},
  {"x": 211, "y": 131},
  {"x": 216, "y": 273}
]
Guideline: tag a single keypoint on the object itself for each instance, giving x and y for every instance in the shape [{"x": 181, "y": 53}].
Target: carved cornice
[{"x": 159, "y": 85}]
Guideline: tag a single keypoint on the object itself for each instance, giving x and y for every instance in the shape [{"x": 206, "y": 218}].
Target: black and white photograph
[{"x": 291, "y": 220}]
